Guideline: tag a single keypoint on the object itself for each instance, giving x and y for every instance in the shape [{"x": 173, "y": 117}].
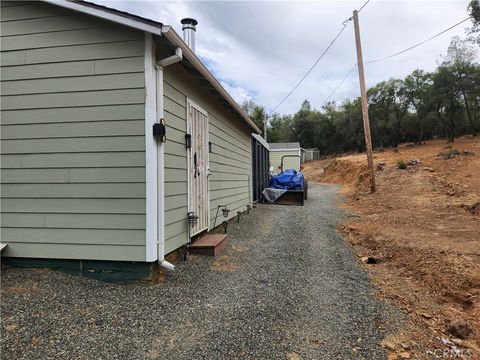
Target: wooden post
[{"x": 363, "y": 91}]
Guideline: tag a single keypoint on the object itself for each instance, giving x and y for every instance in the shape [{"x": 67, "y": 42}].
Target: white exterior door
[{"x": 198, "y": 167}]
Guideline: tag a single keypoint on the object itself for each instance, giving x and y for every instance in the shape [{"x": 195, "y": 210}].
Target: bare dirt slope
[{"x": 423, "y": 228}]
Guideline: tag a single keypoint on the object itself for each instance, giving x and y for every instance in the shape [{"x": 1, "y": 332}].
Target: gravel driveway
[{"x": 286, "y": 287}]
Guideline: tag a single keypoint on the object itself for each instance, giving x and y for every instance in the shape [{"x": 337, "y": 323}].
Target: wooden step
[
  {"x": 3, "y": 247},
  {"x": 210, "y": 244}
]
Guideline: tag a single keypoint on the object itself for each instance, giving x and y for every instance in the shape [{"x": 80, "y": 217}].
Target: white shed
[{"x": 278, "y": 150}]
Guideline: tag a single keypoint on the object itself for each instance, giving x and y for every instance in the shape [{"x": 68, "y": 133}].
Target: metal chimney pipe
[{"x": 189, "y": 28}]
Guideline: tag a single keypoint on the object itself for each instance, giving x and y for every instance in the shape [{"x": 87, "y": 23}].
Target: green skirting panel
[{"x": 108, "y": 271}]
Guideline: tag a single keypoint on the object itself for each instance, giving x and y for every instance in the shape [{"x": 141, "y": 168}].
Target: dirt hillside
[{"x": 422, "y": 230}]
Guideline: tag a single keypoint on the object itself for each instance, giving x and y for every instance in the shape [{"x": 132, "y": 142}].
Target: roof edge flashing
[
  {"x": 106, "y": 13},
  {"x": 261, "y": 140}
]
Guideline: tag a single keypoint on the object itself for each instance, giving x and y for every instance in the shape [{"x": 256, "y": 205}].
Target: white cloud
[
  {"x": 237, "y": 92},
  {"x": 260, "y": 50}
]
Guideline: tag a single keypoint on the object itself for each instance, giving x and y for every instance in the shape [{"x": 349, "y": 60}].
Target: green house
[{"x": 113, "y": 133}]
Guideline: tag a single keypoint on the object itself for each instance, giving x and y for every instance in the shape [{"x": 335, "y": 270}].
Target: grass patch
[
  {"x": 402, "y": 165},
  {"x": 449, "y": 154}
]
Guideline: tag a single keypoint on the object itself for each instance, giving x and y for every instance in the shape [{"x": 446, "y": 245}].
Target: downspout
[{"x": 159, "y": 66}]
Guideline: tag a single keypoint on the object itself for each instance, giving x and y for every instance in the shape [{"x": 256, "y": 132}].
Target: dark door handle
[{"x": 195, "y": 166}]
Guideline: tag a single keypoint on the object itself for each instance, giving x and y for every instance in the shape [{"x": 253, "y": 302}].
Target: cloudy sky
[{"x": 260, "y": 50}]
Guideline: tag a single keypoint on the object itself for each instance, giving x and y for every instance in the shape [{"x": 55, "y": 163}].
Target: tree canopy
[
  {"x": 423, "y": 105},
  {"x": 474, "y": 9}
]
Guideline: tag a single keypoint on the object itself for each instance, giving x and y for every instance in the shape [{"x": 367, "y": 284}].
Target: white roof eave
[
  {"x": 261, "y": 140},
  {"x": 76, "y": 6}
]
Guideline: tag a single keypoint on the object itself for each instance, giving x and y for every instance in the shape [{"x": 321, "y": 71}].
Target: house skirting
[{"x": 107, "y": 271}]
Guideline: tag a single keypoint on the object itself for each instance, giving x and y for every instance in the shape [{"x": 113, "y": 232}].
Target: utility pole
[
  {"x": 265, "y": 123},
  {"x": 363, "y": 91}
]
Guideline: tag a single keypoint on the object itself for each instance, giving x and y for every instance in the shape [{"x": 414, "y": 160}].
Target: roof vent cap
[{"x": 189, "y": 27}]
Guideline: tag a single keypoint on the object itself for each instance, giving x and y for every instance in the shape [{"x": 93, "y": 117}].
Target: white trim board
[
  {"x": 160, "y": 150},
  {"x": 261, "y": 140},
  {"x": 284, "y": 150},
  {"x": 151, "y": 194}
]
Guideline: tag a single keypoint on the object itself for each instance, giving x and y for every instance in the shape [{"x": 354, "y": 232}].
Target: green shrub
[
  {"x": 449, "y": 154},
  {"x": 402, "y": 165}
]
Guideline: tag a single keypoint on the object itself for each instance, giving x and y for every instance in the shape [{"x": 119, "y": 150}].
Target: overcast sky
[{"x": 260, "y": 50}]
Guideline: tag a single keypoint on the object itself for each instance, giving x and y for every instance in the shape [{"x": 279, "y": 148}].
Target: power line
[
  {"x": 344, "y": 25},
  {"x": 353, "y": 67},
  {"x": 363, "y": 6},
  {"x": 417, "y": 45},
  {"x": 351, "y": 18},
  {"x": 393, "y": 55},
  {"x": 341, "y": 83},
  {"x": 312, "y": 67}
]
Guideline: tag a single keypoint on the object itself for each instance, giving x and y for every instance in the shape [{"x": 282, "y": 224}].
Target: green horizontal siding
[
  {"x": 230, "y": 160},
  {"x": 76, "y": 251},
  {"x": 73, "y": 205},
  {"x": 175, "y": 169},
  {"x": 73, "y": 99},
  {"x": 71, "y": 130},
  {"x": 21, "y": 11},
  {"x": 73, "y": 84},
  {"x": 73, "y": 160},
  {"x": 71, "y": 68},
  {"x": 45, "y": 25},
  {"x": 72, "y": 135},
  {"x": 8, "y": 3},
  {"x": 72, "y": 114},
  {"x": 176, "y": 188},
  {"x": 78, "y": 144},
  {"x": 130, "y": 53},
  {"x": 73, "y": 175},
  {"x": 174, "y": 161},
  {"x": 74, "y": 220},
  {"x": 88, "y": 190},
  {"x": 175, "y": 202},
  {"x": 68, "y": 38},
  {"x": 74, "y": 236}
]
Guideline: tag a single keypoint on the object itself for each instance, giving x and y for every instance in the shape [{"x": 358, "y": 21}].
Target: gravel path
[{"x": 286, "y": 287}]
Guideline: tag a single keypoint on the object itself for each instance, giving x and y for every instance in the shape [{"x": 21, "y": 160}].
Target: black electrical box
[{"x": 159, "y": 130}]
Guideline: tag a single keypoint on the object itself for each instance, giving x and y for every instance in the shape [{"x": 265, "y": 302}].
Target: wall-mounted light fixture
[
  {"x": 225, "y": 212},
  {"x": 188, "y": 141},
  {"x": 209, "y": 146},
  {"x": 192, "y": 219}
]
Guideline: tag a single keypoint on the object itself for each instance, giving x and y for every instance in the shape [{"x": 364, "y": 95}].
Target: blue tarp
[{"x": 287, "y": 180}]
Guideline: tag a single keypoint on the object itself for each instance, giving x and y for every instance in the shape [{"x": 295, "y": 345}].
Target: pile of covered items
[{"x": 279, "y": 184}]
